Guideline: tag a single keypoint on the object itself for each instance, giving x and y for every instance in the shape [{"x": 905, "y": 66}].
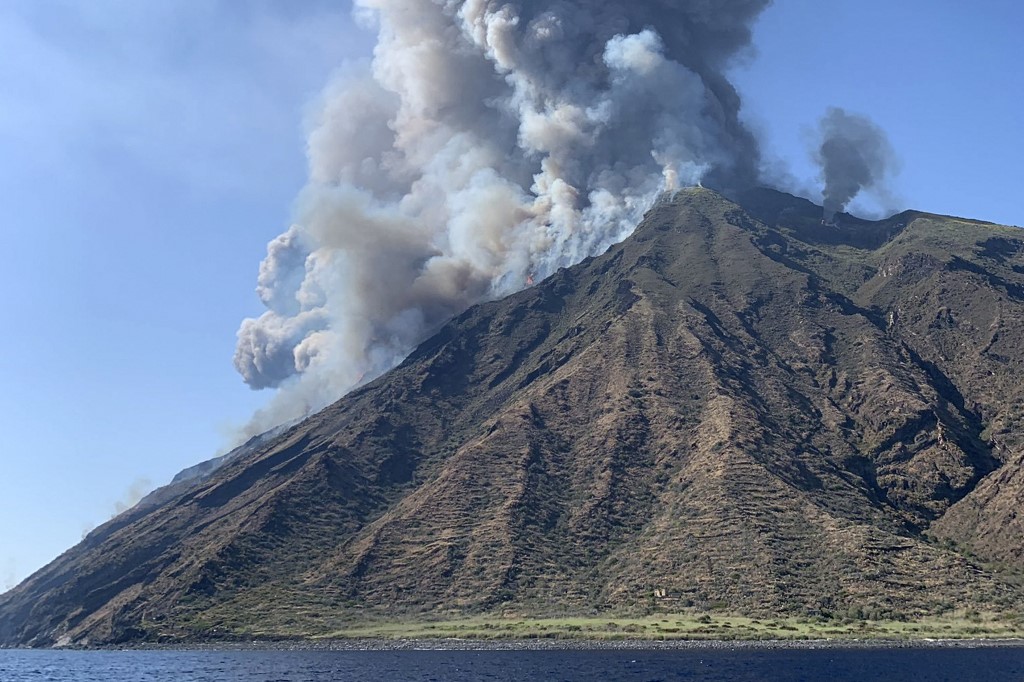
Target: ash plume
[
  {"x": 854, "y": 155},
  {"x": 487, "y": 143}
]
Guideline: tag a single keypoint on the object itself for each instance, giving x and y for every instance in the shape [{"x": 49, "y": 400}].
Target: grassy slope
[{"x": 668, "y": 627}]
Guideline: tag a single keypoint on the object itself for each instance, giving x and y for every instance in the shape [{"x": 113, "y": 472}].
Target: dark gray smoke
[
  {"x": 855, "y": 155},
  {"x": 489, "y": 142}
]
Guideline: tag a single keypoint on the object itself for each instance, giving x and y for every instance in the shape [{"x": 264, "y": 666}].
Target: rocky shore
[{"x": 570, "y": 644}]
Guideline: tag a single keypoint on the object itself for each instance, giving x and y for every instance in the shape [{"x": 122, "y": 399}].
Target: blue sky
[
  {"x": 944, "y": 79},
  {"x": 149, "y": 150}
]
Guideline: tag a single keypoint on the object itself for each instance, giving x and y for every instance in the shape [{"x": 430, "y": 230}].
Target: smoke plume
[
  {"x": 854, "y": 156},
  {"x": 138, "y": 489},
  {"x": 488, "y": 143},
  {"x": 9, "y": 576}
]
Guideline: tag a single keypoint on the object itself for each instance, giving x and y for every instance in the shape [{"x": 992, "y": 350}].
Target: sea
[{"x": 834, "y": 665}]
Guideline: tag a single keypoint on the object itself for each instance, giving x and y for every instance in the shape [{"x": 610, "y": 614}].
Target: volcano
[{"x": 736, "y": 408}]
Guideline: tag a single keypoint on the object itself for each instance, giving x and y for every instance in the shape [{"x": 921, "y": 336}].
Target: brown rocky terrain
[{"x": 738, "y": 407}]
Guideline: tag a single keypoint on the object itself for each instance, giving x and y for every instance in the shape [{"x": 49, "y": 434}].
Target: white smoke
[
  {"x": 487, "y": 143},
  {"x": 9, "y": 575},
  {"x": 138, "y": 489}
]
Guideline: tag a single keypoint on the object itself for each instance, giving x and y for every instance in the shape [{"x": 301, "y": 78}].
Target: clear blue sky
[{"x": 149, "y": 150}]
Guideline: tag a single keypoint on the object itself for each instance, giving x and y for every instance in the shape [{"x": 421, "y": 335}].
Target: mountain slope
[{"x": 738, "y": 405}]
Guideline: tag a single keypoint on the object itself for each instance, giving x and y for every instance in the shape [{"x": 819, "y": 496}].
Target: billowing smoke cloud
[
  {"x": 489, "y": 142},
  {"x": 854, "y": 155}
]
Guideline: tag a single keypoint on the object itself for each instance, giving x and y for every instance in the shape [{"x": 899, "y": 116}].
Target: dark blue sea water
[{"x": 838, "y": 665}]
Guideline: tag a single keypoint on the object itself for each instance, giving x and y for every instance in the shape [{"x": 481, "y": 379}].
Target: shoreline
[{"x": 484, "y": 645}]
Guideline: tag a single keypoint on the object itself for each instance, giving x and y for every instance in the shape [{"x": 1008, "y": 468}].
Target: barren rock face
[{"x": 737, "y": 407}]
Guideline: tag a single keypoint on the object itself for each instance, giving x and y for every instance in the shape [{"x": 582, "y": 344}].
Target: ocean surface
[{"x": 837, "y": 665}]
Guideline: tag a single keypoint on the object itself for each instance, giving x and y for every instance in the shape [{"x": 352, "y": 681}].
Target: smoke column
[
  {"x": 854, "y": 155},
  {"x": 488, "y": 142}
]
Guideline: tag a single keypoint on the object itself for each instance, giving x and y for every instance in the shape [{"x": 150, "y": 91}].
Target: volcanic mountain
[{"x": 738, "y": 407}]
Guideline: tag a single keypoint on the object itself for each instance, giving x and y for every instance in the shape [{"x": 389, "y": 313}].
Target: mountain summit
[{"x": 738, "y": 407}]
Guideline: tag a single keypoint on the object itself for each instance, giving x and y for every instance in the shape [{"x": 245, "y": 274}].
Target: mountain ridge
[{"x": 738, "y": 407}]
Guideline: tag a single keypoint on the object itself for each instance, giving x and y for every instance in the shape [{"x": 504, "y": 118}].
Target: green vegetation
[{"x": 693, "y": 627}]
